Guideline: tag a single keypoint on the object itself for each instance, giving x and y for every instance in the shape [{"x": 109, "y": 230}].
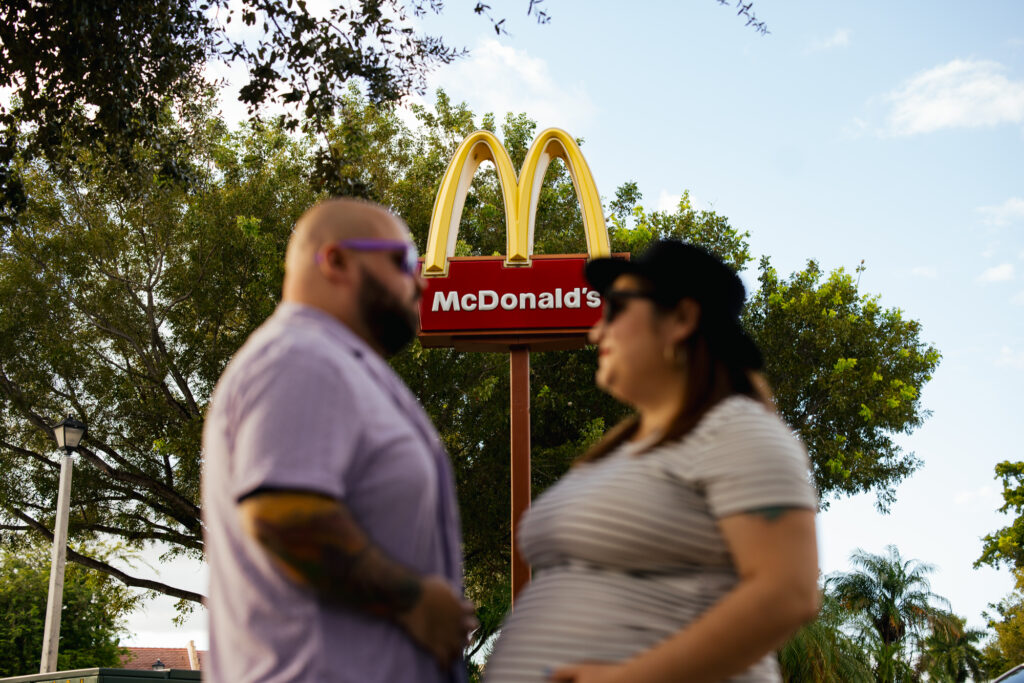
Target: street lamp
[{"x": 69, "y": 434}]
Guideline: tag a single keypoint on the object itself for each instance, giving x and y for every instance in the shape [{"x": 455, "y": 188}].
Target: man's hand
[
  {"x": 440, "y": 621},
  {"x": 318, "y": 544}
]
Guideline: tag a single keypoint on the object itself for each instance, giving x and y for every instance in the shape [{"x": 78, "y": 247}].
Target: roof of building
[{"x": 139, "y": 658}]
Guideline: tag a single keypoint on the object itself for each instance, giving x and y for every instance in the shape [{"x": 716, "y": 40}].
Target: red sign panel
[{"x": 483, "y": 295}]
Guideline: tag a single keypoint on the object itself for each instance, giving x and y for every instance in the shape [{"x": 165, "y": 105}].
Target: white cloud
[
  {"x": 404, "y": 109},
  {"x": 668, "y": 202},
  {"x": 985, "y": 494},
  {"x": 230, "y": 78},
  {"x": 1010, "y": 358},
  {"x": 925, "y": 271},
  {"x": 841, "y": 38},
  {"x": 1010, "y": 211},
  {"x": 1001, "y": 273},
  {"x": 856, "y": 128},
  {"x": 152, "y": 623},
  {"x": 960, "y": 94},
  {"x": 501, "y": 79}
]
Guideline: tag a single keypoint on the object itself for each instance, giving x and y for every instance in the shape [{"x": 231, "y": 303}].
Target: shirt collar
[{"x": 299, "y": 311}]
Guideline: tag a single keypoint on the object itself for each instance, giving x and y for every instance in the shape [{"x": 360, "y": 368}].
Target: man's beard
[{"x": 391, "y": 323}]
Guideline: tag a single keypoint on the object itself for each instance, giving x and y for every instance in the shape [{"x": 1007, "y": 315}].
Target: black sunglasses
[{"x": 615, "y": 301}]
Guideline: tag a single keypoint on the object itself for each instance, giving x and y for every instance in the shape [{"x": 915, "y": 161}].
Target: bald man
[{"x": 331, "y": 524}]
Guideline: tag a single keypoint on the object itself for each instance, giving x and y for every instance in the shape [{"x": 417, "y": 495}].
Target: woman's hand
[
  {"x": 775, "y": 556},
  {"x": 588, "y": 673}
]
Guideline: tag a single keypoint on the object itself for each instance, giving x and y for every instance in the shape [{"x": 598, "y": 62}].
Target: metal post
[
  {"x": 55, "y": 597},
  {"x": 519, "y": 382}
]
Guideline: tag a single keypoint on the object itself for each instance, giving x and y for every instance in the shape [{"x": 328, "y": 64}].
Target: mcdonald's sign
[
  {"x": 486, "y": 303},
  {"x": 515, "y": 302}
]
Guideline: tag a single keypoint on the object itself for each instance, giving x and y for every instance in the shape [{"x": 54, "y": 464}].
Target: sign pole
[{"x": 519, "y": 389}]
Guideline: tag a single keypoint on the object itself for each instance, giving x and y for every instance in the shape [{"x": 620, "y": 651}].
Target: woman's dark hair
[{"x": 720, "y": 359}]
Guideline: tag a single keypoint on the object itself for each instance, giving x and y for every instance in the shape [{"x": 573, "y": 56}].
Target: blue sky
[{"x": 888, "y": 132}]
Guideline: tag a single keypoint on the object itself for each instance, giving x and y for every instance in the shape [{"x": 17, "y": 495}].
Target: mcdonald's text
[
  {"x": 488, "y": 300},
  {"x": 485, "y": 295}
]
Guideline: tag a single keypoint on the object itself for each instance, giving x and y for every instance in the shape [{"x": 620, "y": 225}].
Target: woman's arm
[{"x": 776, "y": 557}]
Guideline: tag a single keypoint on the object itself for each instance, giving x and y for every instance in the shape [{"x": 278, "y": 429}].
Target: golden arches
[{"x": 519, "y": 196}]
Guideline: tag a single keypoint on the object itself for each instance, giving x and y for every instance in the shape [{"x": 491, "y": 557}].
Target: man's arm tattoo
[{"x": 320, "y": 545}]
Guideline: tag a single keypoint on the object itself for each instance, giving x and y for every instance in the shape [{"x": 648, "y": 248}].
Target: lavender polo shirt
[{"x": 307, "y": 405}]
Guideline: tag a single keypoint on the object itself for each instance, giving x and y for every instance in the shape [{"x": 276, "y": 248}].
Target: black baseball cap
[{"x": 677, "y": 270}]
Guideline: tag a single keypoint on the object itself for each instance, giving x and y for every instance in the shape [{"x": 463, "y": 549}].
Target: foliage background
[
  {"x": 162, "y": 279},
  {"x": 95, "y": 607},
  {"x": 907, "y": 200}
]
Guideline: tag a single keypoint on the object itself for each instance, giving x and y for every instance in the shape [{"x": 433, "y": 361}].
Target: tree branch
[
  {"x": 183, "y": 510},
  {"x": 168, "y": 537},
  {"x": 18, "y": 396},
  {"x": 93, "y": 563},
  {"x": 168, "y": 470},
  {"x": 158, "y": 344},
  {"x": 31, "y": 454}
]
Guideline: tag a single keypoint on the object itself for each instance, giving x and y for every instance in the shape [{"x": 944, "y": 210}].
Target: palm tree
[
  {"x": 951, "y": 652},
  {"x": 823, "y": 652},
  {"x": 894, "y": 598}
]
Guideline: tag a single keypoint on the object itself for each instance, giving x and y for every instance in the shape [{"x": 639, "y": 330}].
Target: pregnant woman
[{"x": 681, "y": 547}]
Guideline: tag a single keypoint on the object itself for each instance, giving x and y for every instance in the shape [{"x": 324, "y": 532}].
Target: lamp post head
[{"x": 69, "y": 433}]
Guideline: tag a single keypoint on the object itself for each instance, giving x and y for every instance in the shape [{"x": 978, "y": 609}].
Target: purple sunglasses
[{"x": 408, "y": 258}]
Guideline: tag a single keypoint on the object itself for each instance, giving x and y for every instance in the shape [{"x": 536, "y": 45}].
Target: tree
[
  {"x": 1007, "y": 623},
  {"x": 951, "y": 653},
  {"x": 159, "y": 280},
  {"x": 874, "y": 621},
  {"x": 822, "y": 651},
  {"x": 1006, "y": 546},
  {"x": 847, "y": 372},
  {"x": 893, "y": 598},
  {"x": 847, "y": 375},
  {"x": 100, "y": 73},
  {"x": 94, "y": 607}
]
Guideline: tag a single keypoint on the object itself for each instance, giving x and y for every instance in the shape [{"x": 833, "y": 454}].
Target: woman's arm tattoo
[{"x": 772, "y": 513}]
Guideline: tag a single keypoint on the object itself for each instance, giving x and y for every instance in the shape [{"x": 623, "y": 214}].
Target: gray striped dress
[{"x": 626, "y": 551}]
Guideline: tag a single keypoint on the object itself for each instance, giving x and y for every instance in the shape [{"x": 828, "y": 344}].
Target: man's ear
[
  {"x": 335, "y": 264},
  {"x": 685, "y": 319}
]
